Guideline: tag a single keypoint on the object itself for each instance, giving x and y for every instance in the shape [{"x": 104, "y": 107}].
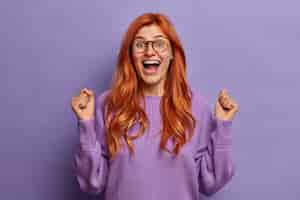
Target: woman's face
[{"x": 152, "y": 53}]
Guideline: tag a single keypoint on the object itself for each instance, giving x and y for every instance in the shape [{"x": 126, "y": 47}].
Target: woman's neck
[
  {"x": 153, "y": 91},
  {"x": 156, "y": 89}
]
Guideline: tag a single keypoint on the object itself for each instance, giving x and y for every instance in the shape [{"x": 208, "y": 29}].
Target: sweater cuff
[
  {"x": 222, "y": 135},
  {"x": 87, "y": 133}
]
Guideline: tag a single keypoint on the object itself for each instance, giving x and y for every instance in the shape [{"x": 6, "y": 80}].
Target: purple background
[{"x": 51, "y": 49}]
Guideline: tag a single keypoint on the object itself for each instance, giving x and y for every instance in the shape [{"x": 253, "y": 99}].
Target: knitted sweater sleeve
[
  {"x": 214, "y": 160},
  {"x": 91, "y": 161}
]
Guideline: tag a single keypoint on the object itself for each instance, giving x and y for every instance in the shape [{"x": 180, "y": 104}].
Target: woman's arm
[
  {"x": 91, "y": 160},
  {"x": 214, "y": 159}
]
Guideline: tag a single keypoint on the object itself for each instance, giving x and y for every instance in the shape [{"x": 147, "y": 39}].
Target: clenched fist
[
  {"x": 226, "y": 107},
  {"x": 83, "y": 105}
]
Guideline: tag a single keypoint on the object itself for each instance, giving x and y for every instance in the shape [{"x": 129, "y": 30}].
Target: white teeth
[{"x": 149, "y": 62}]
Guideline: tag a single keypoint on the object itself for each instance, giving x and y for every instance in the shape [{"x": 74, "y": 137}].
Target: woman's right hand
[{"x": 83, "y": 105}]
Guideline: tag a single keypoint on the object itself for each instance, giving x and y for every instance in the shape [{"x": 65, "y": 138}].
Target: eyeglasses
[{"x": 158, "y": 45}]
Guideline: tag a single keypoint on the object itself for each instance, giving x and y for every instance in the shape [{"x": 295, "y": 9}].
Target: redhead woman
[{"x": 149, "y": 136}]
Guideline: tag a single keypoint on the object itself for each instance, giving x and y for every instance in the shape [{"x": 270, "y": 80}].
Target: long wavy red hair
[{"x": 122, "y": 104}]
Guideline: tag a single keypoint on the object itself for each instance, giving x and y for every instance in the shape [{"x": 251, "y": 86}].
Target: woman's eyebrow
[
  {"x": 156, "y": 36},
  {"x": 139, "y": 37}
]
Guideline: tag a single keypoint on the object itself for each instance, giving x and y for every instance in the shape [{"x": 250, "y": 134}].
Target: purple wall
[{"x": 51, "y": 49}]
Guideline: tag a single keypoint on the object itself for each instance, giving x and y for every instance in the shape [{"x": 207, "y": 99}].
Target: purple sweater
[{"x": 204, "y": 165}]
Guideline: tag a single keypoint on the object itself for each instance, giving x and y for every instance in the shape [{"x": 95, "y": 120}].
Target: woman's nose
[{"x": 149, "y": 50}]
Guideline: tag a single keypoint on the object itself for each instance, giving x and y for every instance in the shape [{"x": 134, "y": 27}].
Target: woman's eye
[
  {"x": 139, "y": 45},
  {"x": 160, "y": 43}
]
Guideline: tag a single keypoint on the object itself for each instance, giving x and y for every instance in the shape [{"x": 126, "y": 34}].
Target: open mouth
[{"x": 151, "y": 66}]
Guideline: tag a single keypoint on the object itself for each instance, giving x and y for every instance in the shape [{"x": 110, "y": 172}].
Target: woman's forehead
[{"x": 150, "y": 32}]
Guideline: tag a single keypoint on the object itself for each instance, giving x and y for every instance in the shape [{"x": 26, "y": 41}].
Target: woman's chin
[{"x": 151, "y": 81}]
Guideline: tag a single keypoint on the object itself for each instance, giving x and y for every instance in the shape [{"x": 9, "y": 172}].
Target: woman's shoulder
[
  {"x": 101, "y": 96},
  {"x": 99, "y": 100}
]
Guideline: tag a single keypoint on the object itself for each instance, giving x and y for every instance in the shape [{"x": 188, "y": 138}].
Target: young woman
[{"x": 150, "y": 136}]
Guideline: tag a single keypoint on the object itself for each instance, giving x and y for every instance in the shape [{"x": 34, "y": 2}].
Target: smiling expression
[{"x": 151, "y": 64}]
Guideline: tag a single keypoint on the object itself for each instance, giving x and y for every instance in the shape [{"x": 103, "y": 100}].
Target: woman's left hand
[{"x": 226, "y": 107}]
